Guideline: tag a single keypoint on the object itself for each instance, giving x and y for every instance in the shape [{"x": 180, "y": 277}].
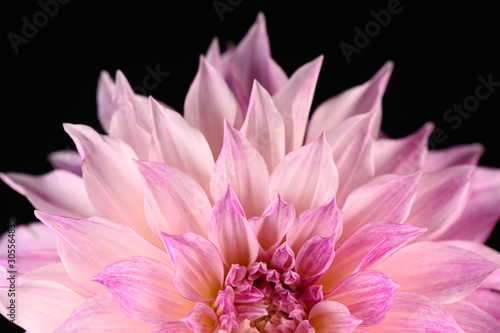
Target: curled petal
[
  {"x": 68, "y": 160},
  {"x": 201, "y": 319},
  {"x": 314, "y": 258},
  {"x": 283, "y": 258},
  {"x": 332, "y": 317}
]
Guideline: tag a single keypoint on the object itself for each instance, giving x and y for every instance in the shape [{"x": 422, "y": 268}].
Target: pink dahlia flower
[{"x": 243, "y": 216}]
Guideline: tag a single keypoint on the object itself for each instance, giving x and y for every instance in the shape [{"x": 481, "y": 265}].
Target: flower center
[{"x": 262, "y": 299}]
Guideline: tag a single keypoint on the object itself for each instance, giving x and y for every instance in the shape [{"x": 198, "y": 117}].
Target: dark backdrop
[{"x": 439, "y": 52}]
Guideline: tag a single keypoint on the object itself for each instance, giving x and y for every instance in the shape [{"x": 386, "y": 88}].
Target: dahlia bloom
[{"x": 244, "y": 216}]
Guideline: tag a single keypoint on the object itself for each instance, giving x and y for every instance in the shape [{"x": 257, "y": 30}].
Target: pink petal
[
  {"x": 174, "y": 203},
  {"x": 201, "y": 319},
  {"x": 482, "y": 211},
  {"x": 404, "y": 155},
  {"x": 352, "y": 150},
  {"x": 294, "y": 101},
  {"x": 264, "y": 127},
  {"x": 357, "y": 100},
  {"x": 105, "y": 99},
  {"x": 440, "y": 200},
  {"x": 306, "y": 177},
  {"x": 143, "y": 288},
  {"x": 171, "y": 327},
  {"x": 229, "y": 230},
  {"x": 101, "y": 313},
  {"x": 58, "y": 192},
  {"x": 199, "y": 271},
  {"x": 213, "y": 55},
  {"x": 283, "y": 258},
  {"x": 87, "y": 246},
  {"x": 209, "y": 97},
  {"x": 304, "y": 327},
  {"x": 41, "y": 306},
  {"x": 367, "y": 295},
  {"x": 332, "y": 317},
  {"x": 176, "y": 143},
  {"x": 457, "y": 155},
  {"x": 440, "y": 272},
  {"x": 415, "y": 313},
  {"x": 252, "y": 60},
  {"x": 324, "y": 221},
  {"x": 314, "y": 258},
  {"x": 240, "y": 164},
  {"x": 371, "y": 243},
  {"x": 471, "y": 319},
  {"x": 487, "y": 300},
  {"x": 111, "y": 179},
  {"x": 68, "y": 160},
  {"x": 274, "y": 224},
  {"x": 384, "y": 198}
]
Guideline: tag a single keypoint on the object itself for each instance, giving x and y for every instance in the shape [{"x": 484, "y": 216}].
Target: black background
[{"x": 438, "y": 50}]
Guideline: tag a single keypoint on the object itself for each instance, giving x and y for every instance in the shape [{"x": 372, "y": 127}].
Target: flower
[{"x": 243, "y": 216}]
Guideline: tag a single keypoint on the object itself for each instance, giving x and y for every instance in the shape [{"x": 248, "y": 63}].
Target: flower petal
[
  {"x": 324, "y": 221},
  {"x": 332, "y": 317},
  {"x": 471, "y": 318},
  {"x": 105, "y": 99},
  {"x": 264, "y": 126},
  {"x": 174, "y": 202},
  {"x": 367, "y": 295},
  {"x": 314, "y": 258},
  {"x": 415, "y": 313},
  {"x": 440, "y": 272},
  {"x": 306, "y": 177},
  {"x": 357, "y": 100},
  {"x": 201, "y": 319},
  {"x": 143, "y": 288},
  {"x": 176, "y": 143},
  {"x": 199, "y": 271},
  {"x": 213, "y": 55},
  {"x": 240, "y": 164},
  {"x": 209, "y": 97},
  {"x": 111, "y": 179},
  {"x": 384, "y": 198},
  {"x": 68, "y": 160},
  {"x": 440, "y": 200},
  {"x": 441, "y": 159},
  {"x": 58, "y": 192},
  {"x": 171, "y": 327},
  {"x": 87, "y": 246},
  {"x": 371, "y": 243},
  {"x": 294, "y": 101},
  {"x": 227, "y": 226},
  {"x": 487, "y": 300}
]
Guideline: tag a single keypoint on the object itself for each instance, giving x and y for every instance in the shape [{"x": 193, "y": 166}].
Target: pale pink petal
[
  {"x": 229, "y": 230},
  {"x": 440, "y": 272},
  {"x": 357, "y": 100},
  {"x": 209, "y": 97},
  {"x": 482, "y": 210},
  {"x": 457, "y": 155},
  {"x": 201, "y": 319},
  {"x": 252, "y": 60},
  {"x": 58, "y": 192},
  {"x": 105, "y": 99},
  {"x": 404, "y": 155},
  {"x": 314, "y": 258},
  {"x": 199, "y": 270},
  {"x": 304, "y": 327},
  {"x": 176, "y": 143},
  {"x": 213, "y": 55},
  {"x": 32, "y": 236},
  {"x": 283, "y": 258},
  {"x": 487, "y": 300},
  {"x": 352, "y": 151},
  {"x": 415, "y": 313},
  {"x": 274, "y": 224},
  {"x": 384, "y": 198},
  {"x": 324, "y": 221},
  {"x": 440, "y": 200},
  {"x": 41, "y": 306},
  {"x": 174, "y": 202},
  {"x": 240, "y": 164},
  {"x": 294, "y": 101},
  {"x": 87, "y": 246},
  {"x": 332, "y": 317},
  {"x": 306, "y": 177},
  {"x": 143, "y": 288},
  {"x": 371, "y": 243},
  {"x": 101, "y": 314},
  {"x": 68, "y": 160},
  {"x": 367, "y": 295},
  {"x": 264, "y": 126},
  {"x": 171, "y": 327},
  {"x": 472, "y": 319},
  {"x": 111, "y": 179}
]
